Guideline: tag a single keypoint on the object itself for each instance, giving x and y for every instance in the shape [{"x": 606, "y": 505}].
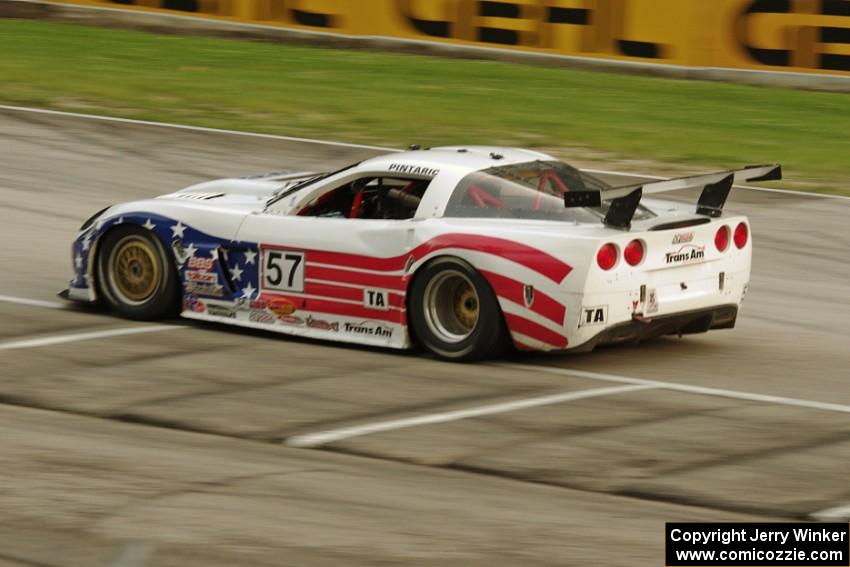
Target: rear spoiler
[{"x": 715, "y": 189}]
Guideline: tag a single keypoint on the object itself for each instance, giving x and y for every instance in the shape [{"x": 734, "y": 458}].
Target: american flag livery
[
  {"x": 228, "y": 276},
  {"x": 445, "y": 248}
]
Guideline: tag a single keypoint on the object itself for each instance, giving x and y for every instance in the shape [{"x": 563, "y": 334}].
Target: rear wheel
[
  {"x": 135, "y": 276},
  {"x": 454, "y": 312}
]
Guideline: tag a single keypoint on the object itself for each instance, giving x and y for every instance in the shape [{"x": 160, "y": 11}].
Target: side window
[{"x": 394, "y": 198}]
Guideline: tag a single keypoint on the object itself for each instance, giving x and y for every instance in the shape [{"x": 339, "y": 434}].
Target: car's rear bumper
[{"x": 685, "y": 323}]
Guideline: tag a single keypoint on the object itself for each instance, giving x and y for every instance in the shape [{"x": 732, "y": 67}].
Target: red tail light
[
  {"x": 721, "y": 238},
  {"x": 633, "y": 253},
  {"x": 742, "y": 234},
  {"x": 607, "y": 256}
]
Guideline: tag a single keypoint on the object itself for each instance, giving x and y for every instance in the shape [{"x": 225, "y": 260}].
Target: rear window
[{"x": 532, "y": 190}]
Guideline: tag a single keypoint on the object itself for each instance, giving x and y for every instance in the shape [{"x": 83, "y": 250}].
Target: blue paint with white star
[{"x": 234, "y": 263}]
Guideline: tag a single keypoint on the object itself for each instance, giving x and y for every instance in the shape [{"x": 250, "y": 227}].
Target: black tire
[
  {"x": 440, "y": 309},
  {"x": 135, "y": 275}
]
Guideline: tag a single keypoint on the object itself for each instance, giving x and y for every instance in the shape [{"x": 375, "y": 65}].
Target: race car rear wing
[{"x": 715, "y": 190}]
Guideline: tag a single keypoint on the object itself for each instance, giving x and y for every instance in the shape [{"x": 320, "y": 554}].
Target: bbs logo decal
[
  {"x": 376, "y": 299},
  {"x": 196, "y": 263},
  {"x": 597, "y": 315}
]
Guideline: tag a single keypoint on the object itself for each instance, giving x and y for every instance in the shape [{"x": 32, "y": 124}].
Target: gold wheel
[
  {"x": 451, "y": 306},
  {"x": 466, "y": 305},
  {"x": 134, "y": 270}
]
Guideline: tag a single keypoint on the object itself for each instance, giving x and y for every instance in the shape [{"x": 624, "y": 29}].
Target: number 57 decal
[{"x": 283, "y": 270}]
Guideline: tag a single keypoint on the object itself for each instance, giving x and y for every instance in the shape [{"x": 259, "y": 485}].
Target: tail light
[
  {"x": 607, "y": 256},
  {"x": 742, "y": 234},
  {"x": 721, "y": 238},
  {"x": 633, "y": 253}
]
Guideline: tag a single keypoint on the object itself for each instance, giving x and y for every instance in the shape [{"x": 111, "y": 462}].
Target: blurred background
[{"x": 169, "y": 447}]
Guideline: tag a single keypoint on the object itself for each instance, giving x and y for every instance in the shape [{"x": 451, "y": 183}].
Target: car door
[{"x": 339, "y": 273}]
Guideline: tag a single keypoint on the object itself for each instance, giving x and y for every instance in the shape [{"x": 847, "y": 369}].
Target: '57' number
[{"x": 283, "y": 270}]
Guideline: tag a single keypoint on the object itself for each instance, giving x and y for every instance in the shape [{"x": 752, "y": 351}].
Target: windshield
[
  {"x": 532, "y": 190},
  {"x": 300, "y": 184}
]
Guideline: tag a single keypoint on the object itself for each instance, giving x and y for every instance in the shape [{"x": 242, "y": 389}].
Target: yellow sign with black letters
[{"x": 803, "y": 36}]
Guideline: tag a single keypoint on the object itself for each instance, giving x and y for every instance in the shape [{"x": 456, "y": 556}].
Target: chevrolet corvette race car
[{"x": 464, "y": 251}]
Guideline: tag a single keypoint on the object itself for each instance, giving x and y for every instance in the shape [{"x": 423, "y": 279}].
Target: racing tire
[
  {"x": 135, "y": 275},
  {"x": 454, "y": 312}
]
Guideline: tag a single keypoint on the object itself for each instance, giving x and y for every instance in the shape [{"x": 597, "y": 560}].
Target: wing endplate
[
  {"x": 714, "y": 196},
  {"x": 622, "y": 210}
]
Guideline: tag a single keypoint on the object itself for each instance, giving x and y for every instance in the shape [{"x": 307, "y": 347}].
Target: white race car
[{"x": 462, "y": 250}]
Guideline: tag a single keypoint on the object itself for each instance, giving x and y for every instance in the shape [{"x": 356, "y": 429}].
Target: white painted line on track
[
  {"x": 837, "y": 514},
  {"x": 346, "y": 144},
  {"x": 330, "y": 436},
  {"x": 194, "y": 128},
  {"x": 702, "y": 390},
  {"x": 32, "y": 302},
  {"x": 133, "y": 554},
  {"x": 77, "y": 337}
]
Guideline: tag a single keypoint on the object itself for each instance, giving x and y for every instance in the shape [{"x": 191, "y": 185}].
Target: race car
[{"x": 465, "y": 251}]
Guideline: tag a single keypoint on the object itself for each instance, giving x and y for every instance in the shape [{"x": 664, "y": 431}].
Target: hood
[{"x": 239, "y": 191}]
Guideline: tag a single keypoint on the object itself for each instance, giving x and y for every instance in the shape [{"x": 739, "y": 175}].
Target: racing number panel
[{"x": 282, "y": 270}]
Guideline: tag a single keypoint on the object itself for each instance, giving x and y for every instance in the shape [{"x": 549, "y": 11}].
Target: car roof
[
  {"x": 471, "y": 158},
  {"x": 444, "y": 166}
]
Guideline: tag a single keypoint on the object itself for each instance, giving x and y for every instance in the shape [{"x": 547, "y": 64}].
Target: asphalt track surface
[{"x": 173, "y": 446}]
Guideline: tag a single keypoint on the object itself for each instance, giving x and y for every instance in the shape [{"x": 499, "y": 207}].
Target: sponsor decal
[
  {"x": 322, "y": 324},
  {"x": 263, "y": 316},
  {"x": 203, "y": 277},
  {"x": 191, "y": 302},
  {"x": 651, "y": 301},
  {"x": 376, "y": 299},
  {"x": 528, "y": 295},
  {"x": 367, "y": 329},
  {"x": 687, "y": 253},
  {"x": 290, "y": 320},
  {"x": 414, "y": 169},
  {"x": 596, "y": 315},
  {"x": 683, "y": 237},
  {"x": 221, "y": 311},
  {"x": 280, "y": 306},
  {"x": 196, "y": 263},
  {"x": 214, "y": 290}
]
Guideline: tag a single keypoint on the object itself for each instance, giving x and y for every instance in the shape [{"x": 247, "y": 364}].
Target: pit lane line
[
  {"x": 73, "y": 337},
  {"x": 32, "y": 302},
  {"x": 87, "y": 336},
  {"x": 687, "y": 388},
  {"x": 346, "y": 144},
  {"x": 837, "y": 514},
  {"x": 311, "y": 440}
]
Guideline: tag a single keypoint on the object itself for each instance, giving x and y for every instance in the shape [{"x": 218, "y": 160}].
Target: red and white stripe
[{"x": 335, "y": 284}]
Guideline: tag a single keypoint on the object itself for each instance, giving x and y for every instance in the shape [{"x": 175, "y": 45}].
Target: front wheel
[
  {"x": 135, "y": 276},
  {"x": 454, "y": 313}
]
